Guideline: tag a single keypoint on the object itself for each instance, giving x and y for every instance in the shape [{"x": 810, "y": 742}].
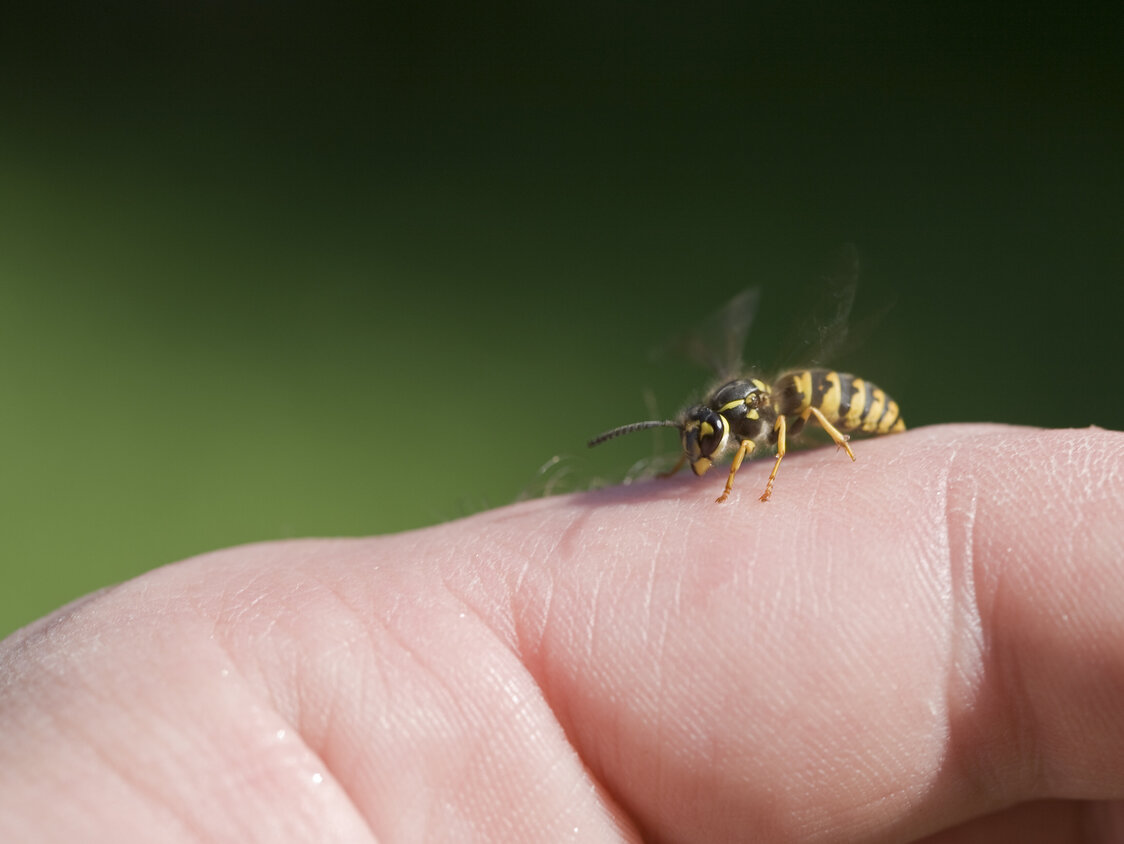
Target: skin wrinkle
[
  {"x": 906, "y": 792},
  {"x": 324, "y": 734},
  {"x": 955, "y": 556},
  {"x": 1092, "y": 466},
  {"x": 569, "y": 545},
  {"x": 1026, "y": 715},
  {"x": 448, "y": 696},
  {"x": 954, "y": 582},
  {"x": 605, "y": 753},
  {"x": 538, "y": 660},
  {"x": 189, "y": 818},
  {"x": 980, "y": 682},
  {"x": 524, "y": 569},
  {"x": 524, "y": 704},
  {"x": 1085, "y": 461},
  {"x": 649, "y": 589},
  {"x": 1000, "y": 592},
  {"x": 497, "y": 594},
  {"x": 531, "y": 649},
  {"x": 509, "y": 643},
  {"x": 355, "y": 623},
  {"x": 331, "y": 774},
  {"x": 334, "y": 778},
  {"x": 152, "y": 795},
  {"x": 482, "y": 750},
  {"x": 296, "y": 746},
  {"x": 963, "y": 675},
  {"x": 594, "y": 604},
  {"x": 661, "y": 681},
  {"x": 1014, "y": 694},
  {"x": 517, "y": 643},
  {"x": 660, "y": 778},
  {"x": 531, "y": 653},
  {"x": 324, "y": 709},
  {"x": 63, "y": 626},
  {"x": 1075, "y": 572}
]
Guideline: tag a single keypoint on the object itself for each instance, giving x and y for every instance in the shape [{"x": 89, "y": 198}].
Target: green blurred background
[{"x": 277, "y": 270}]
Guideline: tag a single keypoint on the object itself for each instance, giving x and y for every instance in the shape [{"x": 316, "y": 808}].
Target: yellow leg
[
  {"x": 840, "y": 439},
  {"x": 745, "y": 448},
  {"x": 678, "y": 465},
  {"x": 781, "y": 427}
]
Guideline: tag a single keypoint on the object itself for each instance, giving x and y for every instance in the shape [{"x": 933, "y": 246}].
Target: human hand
[{"x": 885, "y": 650}]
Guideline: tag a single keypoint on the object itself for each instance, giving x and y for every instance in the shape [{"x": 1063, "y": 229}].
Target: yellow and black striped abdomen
[{"x": 848, "y": 402}]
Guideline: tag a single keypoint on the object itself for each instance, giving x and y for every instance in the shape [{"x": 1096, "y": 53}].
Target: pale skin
[{"x": 926, "y": 642}]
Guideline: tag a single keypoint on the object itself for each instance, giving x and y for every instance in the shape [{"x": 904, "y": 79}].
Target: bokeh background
[{"x": 277, "y": 270}]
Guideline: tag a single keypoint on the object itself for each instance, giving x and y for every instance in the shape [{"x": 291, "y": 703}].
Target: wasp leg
[
  {"x": 745, "y": 448},
  {"x": 840, "y": 439},
  {"x": 780, "y": 427},
  {"x": 678, "y": 465}
]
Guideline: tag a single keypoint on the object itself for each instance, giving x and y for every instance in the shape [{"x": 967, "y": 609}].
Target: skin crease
[{"x": 927, "y": 642}]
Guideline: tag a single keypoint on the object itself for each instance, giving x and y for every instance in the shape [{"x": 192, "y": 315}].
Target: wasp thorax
[{"x": 704, "y": 434}]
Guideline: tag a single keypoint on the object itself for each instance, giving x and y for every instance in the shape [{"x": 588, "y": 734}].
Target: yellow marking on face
[
  {"x": 700, "y": 466},
  {"x": 706, "y": 429},
  {"x": 858, "y": 402},
  {"x": 725, "y": 438},
  {"x": 877, "y": 404},
  {"x": 829, "y": 404}
]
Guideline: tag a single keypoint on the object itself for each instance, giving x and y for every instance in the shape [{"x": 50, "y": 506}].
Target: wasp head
[{"x": 705, "y": 433}]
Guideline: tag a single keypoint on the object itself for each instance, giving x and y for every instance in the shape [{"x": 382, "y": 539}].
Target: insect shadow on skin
[{"x": 746, "y": 412}]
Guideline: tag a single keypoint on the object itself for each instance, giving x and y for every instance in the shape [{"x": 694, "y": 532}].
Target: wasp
[{"x": 747, "y": 413}]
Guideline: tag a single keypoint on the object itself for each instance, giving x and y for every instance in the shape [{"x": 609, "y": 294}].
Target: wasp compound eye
[
  {"x": 704, "y": 434},
  {"x": 712, "y": 432}
]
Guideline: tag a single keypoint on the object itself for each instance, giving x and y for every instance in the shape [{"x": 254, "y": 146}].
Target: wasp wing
[
  {"x": 823, "y": 330},
  {"x": 716, "y": 342}
]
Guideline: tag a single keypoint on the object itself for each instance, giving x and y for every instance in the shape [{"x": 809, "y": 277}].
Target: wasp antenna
[{"x": 628, "y": 429}]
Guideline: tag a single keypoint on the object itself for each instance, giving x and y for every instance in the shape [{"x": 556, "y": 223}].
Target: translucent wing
[
  {"x": 559, "y": 475},
  {"x": 829, "y": 329},
  {"x": 822, "y": 331},
  {"x": 716, "y": 342}
]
